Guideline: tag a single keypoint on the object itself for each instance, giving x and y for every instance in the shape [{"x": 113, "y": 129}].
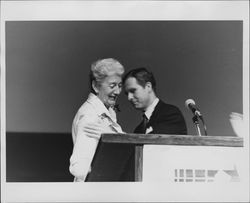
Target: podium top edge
[{"x": 167, "y": 139}]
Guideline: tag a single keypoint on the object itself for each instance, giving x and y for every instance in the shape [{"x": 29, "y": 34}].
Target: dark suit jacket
[{"x": 165, "y": 119}]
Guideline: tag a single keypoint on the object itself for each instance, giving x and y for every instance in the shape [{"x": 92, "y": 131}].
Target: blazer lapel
[{"x": 156, "y": 113}]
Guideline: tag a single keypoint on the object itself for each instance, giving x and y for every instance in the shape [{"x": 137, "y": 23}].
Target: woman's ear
[{"x": 94, "y": 86}]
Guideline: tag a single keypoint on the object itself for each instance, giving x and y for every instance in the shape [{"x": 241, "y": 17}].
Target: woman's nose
[{"x": 117, "y": 90}]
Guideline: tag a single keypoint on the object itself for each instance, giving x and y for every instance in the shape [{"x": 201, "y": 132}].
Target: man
[{"x": 158, "y": 117}]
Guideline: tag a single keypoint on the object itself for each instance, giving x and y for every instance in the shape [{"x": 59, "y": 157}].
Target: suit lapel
[
  {"x": 154, "y": 117},
  {"x": 156, "y": 113}
]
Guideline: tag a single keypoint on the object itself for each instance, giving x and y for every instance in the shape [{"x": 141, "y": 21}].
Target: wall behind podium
[{"x": 47, "y": 66}]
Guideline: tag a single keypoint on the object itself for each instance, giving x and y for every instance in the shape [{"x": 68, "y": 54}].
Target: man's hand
[{"x": 94, "y": 130}]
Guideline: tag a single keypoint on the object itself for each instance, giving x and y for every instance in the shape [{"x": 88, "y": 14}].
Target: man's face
[
  {"x": 137, "y": 94},
  {"x": 109, "y": 90}
]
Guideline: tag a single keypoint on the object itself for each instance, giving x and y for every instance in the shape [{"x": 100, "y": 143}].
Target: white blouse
[{"x": 93, "y": 110}]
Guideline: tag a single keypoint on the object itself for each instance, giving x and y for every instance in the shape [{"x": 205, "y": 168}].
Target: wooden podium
[{"x": 110, "y": 170}]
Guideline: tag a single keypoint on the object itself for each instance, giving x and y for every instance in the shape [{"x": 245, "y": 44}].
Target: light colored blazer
[{"x": 93, "y": 110}]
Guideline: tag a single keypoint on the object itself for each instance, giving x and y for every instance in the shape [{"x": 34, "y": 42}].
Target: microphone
[{"x": 190, "y": 104}]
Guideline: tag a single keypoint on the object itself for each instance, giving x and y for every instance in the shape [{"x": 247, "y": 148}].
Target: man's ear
[
  {"x": 148, "y": 85},
  {"x": 94, "y": 86}
]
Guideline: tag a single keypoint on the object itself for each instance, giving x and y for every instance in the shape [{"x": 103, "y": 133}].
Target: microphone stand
[
  {"x": 204, "y": 125},
  {"x": 197, "y": 125}
]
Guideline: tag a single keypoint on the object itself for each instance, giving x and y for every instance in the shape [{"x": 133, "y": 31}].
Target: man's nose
[{"x": 130, "y": 96}]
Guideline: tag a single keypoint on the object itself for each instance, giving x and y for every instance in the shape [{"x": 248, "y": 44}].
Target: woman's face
[{"x": 109, "y": 89}]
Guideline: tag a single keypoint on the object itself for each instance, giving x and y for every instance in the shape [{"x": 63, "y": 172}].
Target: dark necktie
[{"x": 144, "y": 123}]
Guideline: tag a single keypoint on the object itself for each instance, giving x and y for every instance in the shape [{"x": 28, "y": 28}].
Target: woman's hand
[{"x": 94, "y": 130}]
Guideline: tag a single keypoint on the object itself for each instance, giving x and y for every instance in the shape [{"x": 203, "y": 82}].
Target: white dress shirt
[
  {"x": 149, "y": 111},
  {"x": 93, "y": 110}
]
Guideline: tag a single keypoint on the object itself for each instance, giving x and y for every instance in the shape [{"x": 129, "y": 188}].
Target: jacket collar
[
  {"x": 151, "y": 108},
  {"x": 155, "y": 113},
  {"x": 100, "y": 108}
]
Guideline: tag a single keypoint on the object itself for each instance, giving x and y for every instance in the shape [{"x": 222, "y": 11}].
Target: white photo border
[{"x": 123, "y": 10}]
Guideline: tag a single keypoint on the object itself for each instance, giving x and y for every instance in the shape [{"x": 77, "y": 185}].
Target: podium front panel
[
  {"x": 109, "y": 163},
  {"x": 192, "y": 164}
]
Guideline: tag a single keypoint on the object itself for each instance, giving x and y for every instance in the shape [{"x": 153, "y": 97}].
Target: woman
[{"x": 106, "y": 84}]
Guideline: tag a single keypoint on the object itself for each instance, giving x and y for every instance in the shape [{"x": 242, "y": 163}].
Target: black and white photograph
[{"x": 124, "y": 101}]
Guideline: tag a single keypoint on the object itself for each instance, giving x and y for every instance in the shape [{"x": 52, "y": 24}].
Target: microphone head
[{"x": 188, "y": 102}]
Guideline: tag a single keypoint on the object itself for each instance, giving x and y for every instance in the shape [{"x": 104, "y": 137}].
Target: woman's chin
[{"x": 110, "y": 104}]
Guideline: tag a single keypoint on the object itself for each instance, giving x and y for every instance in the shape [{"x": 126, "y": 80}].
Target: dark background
[{"x": 47, "y": 66}]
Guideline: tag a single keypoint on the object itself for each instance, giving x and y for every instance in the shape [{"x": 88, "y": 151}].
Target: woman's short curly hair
[{"x": 103, "y": 68}]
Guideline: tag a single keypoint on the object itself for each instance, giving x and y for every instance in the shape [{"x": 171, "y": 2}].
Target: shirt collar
[
  {"x": 100, "y": 107},
  {"x": 151, "y": 108}
]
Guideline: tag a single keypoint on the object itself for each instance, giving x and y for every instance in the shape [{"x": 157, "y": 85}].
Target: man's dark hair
[{"x": 142, "y": 75}]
